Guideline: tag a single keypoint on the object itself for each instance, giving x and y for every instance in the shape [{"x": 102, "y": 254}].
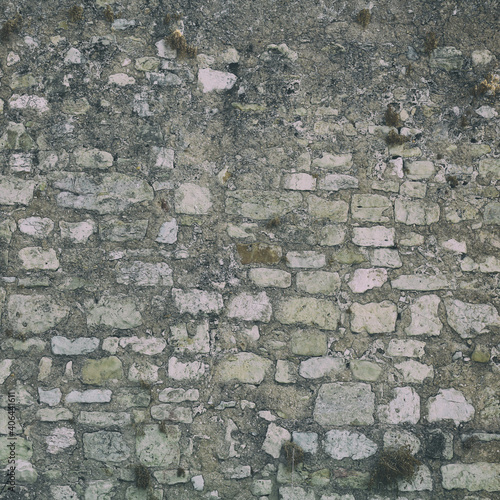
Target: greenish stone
[
  {"x": 447, "y": 58},
  {"x": 15, "y": 137},
  {"x": 365, "y": 370},
  {"x": 255, "y": 108},
  {"x": 76, "y": 107},
  {"x": 23, "y": 448},
  {"x": 98, "y": 371},
  {"x": 320, "y": 478},
  {"x": 19, "y": 81},
  {"x": 481, "y": 354},
  {"x": 349, "y": 255},
  {"x": 351, "y": 479},
  {"x": 308, "y": 343}
]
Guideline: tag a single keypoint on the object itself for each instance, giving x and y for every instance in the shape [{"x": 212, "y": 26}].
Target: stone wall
[{"x": 249, "y": 249}]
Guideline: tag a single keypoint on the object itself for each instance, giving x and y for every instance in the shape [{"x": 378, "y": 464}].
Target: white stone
[
  {"x": 455, "y": 246},
  {"x": 413, "y": 189},
  {"x": 168, "y": 232},
  {"x": 44, "y": 369},
  {"x": 38, "y": 258},
  {"x": 275, "y": 438},
  {"x": 424, "y": 316},
  {"x": 192, "y": 199},
  {"x": 385, "y": 257},
  {"x": 250, "y": 307},
  {"x": 51, "y": 397},
  {"x": 15, "y": 191},
  {"x": 143, "y": 372},
  {"x": 405, "y": 407},
  {"x": 90, "y": 396},
  {"x": 486, "y": 112},
  {"x": 366, "y": 279},
  {"x": 215, "y": 80},
  {"x": 420, "y": 282},
  {"x": 244, "y": 367},
  {"x": 178, "y": 370},
  {"x": 73, "y": 56},
  {"x": 374, "y": 317},
  {"x": 139, "y": 273},
  {"x": 198, "y": 483},
  {"x": 286, "y": 372},
  {"x": 308, "y": 311},
  {"x": 39, "y": 227},
  {"x": 396, "y": 438},
  {"x": 39, "y": 104},
  {"x": 470, "y": 320},
  {"x": 341, "y": 444},
  {"x": 178, "y": 395},
  {"x": 60, "y": 439},
  {"x": 63, "y": 493},
  {"x": 148, "y": 346},
  {"x": 299, "y": 182},
  {"x": 270, "y": 277},
  {"x": 472, "y": 477},
  {"x": 406, "y": 348},
  {"x": 305, "y": 259},
  {"x": 295, "y": 493},
  {"x": 333, "y": 210},
  {"x": 481, "y": 57},
  {"x": 333, "y": 161},
  {"x": 195, "y": 301},
  {"x": 450, "y": 404},
  {"x": 5, "y": 365},
  {"x": 417, "y": 212},
  {"x": 117, "y": 311},
  {"x": 197, "y": 342},
  {"x": 313, "y": 368},
  {"x": 318, "y": 282},
  {"x": 422, "y": 481},
  {"x": 335, "y": 182},
  {"x": 371, "y": 208},
  {"x": 414, "y": 372},
  {"x": 308, "y": 441},
  {"x": 121, "y": 79},
  {"x": 376, "y": 236},
  {"x": 78, "y": 232}
]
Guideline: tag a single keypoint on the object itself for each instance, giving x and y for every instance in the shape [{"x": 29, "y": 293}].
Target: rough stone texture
[{"x": 218, "y": 216}]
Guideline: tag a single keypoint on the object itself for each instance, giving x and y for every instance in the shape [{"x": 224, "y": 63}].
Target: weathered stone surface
[
  {"x": 318, "y": 282},
  {"x": 371, "y": 208},
  {"x": 336, "y": 182},
  {"x": 104, "y": 418},
  {"x": 365, "y": 370},
  {"x": 424, "y": 316},
  {"x": 168, "y": 232},
  {"x": 100, "y": 370},
  {"x": 250, "y": 307},
  {"x": 114, "y": 193},
  {"x": 119, "y": 230},
  {"x": 144, "y": 274},
  {"x": 275, "y": 438},
  {"x": 449, "y": 404},
  {"x": 15, "y": 137},
  {"x": 447, "y": 58},
  {"x": 38, "y": 258},
  {"x": 305, "y": 259},
  {"x": 93, "y": 158},
  {"x": 308, "y": 311},
  {"x": 329, "y": 161},
  {"x": 14, "y": 191},
  {"x": 420, "y": 282},
  {"x": 470, "y": 320},
  {"x": 197, "y": 341},
  {"x": 416, "y": 212},
  {"x": 117, "y": 312},
  {"x": 492, "y": 213},
  {"x": 261, "y": 205},
  {"x": 331, "y": 235},
  {"x": 375, "y": 317},
  {"x": 422, "y": 481},
  {"x": 308, "y": 343},
  {"x": 105, "y": 446},
  {"x": 366, "y": 279},
  {"x": 407, "y": 348},
  {"x": 39, "y": 227},
  {"x": 90, "y": 396},
  {"x": 34, "y": 313},
  {"x": 192, "y": 199},
  {"x": 78, "y": 232},
  {"x": 215, "y": 80},
  {"x": 196, "y": 301},
  {"x": 299, "y": 182},
  {"x": 344, "y": 403},
  {"x": 60, "y": 439},
  {"x": 341, "y": 444},
  {"x": 172, "y": 413},
  {"x": 178, "y": 370},
  {"x": 405, "y": 407},
  {"x": 270, "y": 277},
  {"x": 472, "y": 477},
  {"x": 414, "y": 372},
  {"x": 333, "y": 210},
  {"x": 259, "y": 253},
  {"x": 143, "y": 372},
  {"x": 245, "y": 367},
  {"x": 377, "y": 236},
  {"x": 313, "y": 368},
  {"x": 51, "y": 397},
  {"x": 157, "y": 449},
  {"x": 67, "y": 347},
  {"x": 418, "y": 170}
]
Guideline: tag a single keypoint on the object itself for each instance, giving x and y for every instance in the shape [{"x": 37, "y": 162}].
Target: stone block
[
  {"x": 244, "y": 367},
  {"x": 308, "y": 311},
  {"x": 374, "y": 317}
]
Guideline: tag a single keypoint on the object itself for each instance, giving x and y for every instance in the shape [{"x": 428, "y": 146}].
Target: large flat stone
[
  {"x": 114, "y": 311},
  {"x": 14, "y": 191},
  {"x": 244, "y": 367},
  {"x": 450, "y": 404},
  {"x": 341, "y": 444},
  {"x": 105, "y": 446},
  {"x": 470, "y": 320},
  {"x": 195, "y": 301},
  {"x": 424, "y": 316},
  {"x": 374, "y": 317},
  {"x": 472, "y": 477},
  {"x": 344, "y": 403},
  {"x": 250, "y": 307},
  {"x": 157, "y": 449},
  {"x": 261, "y": 205},
  {"x": 308, "y": 311}
]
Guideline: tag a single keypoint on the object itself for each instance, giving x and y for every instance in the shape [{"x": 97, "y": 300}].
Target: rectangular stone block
[
  {"x": 472, "y": 477},
  {"x": 417, "y": 212},
  {"x": 318, "y": 282},
  {"x": 305, "y": 259},
  {"x": 270, "y": 277},
  {"x": 308, "y": 311},
  {"x": 376, "y": 236},
  {"x": 371, "y": 208},
  {"x": 261, "y": 205},
  {"x": 334, "y": 210}
]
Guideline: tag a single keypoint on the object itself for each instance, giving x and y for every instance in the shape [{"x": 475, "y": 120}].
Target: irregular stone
[
  {"x": 34, "y": 314},
  {"x": 270, "y": 277},
  {"x": 492, "y": 213},
  {"x": 119, "y": 230},
  {"x": 407, "y": 348},
  {"x": 424, "y": 316},
  {"x": 147, "y": 64},
  {"x": 417, "y": 212},
  {"x": 366, "y": 279},
  {"x": 51, "y": 397},
  {"x": 299, "y": 182},
  {"x": 414, "y": 372},
  {"x": 104, "y": 418},
  {"x": 259, "y": 253},
  {"x": 215, "y": 80},
  {"x": 76, "y": 107},
  {"x": 308, "y": 343},
  {"x": 97, "y": 371},
  {"x": 329, "y": 161},
  {"x": 38, "y": 258},
  {"x": 250, "y": 307},
  {"x": 486, "y": 112},
  {"x": 490, "y": 166},
  {"x": 331, "y": 235},
  {"x": 101, "y": 490},
  {"x": 376, "y": 236},
  {"x": 121, "y": 79},
  {"x": 78, "y": 232},
  {"x": 172, "y": 413},
  {"x": 261, "y": 205},
  {"x": 67, "y": 347},
  {"x": 14, "y": 191},
  {"x": 24, "y": 449},
  {"x": 318, "y": 282},
  {"x": 419, "y": 282},
  {"x": 308, "y": 311},
  {"x": 148, "y": 346},
  {"x": 186, "y": 371},
  {"x": 115, "y": 193},
  {"x": 405, "y": 407},
  {"x": 178, "y": 395},
  {"x": 192, "y": 199},
  {"x": 295, "y": 493},
  {"x": 418, "y": 170},
  {"x": 421, "y": 481},
  {"x": 344, "y": 403},
  {"x": 245, "y": 367},
  {"x": 168, "y": 232},
  {"x": 105, "y": 446},
  {"x": 447, "y": 58},
  {"x": 7, "y": 227},
  {"x": 481, "y": 57},
  {"x": 25, "y": 101},
  {"x": 470, "y": 320},
  {"x": 261, "y": 487},
  {"x": 305, "y": 259},
  {"x": 197, "y": 342},
  {"x": 16, "y": 138},
  {"x": 60, "y": 439},
  {"x": 114, "y": 311},
  {"x": 157, "y": 449},
  {"x": 371, "y": 208},
  {"x": 313, "y": 368},
  {"x": 336, "y": 182},
  {"x": 491, "y": 264},
  {"x": 92, "y": 158},
  {"x": 143, "y": 372},
  {"x": 90, "y": 396},
  {"x": 286, "y": 372},
  {"x": 38, "y": 227},
  {"x": 140, "y": 273},
  {"x": 196, "y": 301},
  {"x": 365, "y": 370},
  {"x": 62, "y": 493},
  {"x": 472, "y": 477},
  {"x": 449, "y": 404},
  {"x": 455, "y": 246},
  {"x": 413, "y": 189},
  {"x": 481, "y": 354},
  {"x": 275, "y": 438},
  {"x": 73, "y": 56},
  {"x": 164, "y": 79},
  {"x": 374, "y": 317},
  {"x": 341, "y": 444},
  {"x": 334, "y": 210}
]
